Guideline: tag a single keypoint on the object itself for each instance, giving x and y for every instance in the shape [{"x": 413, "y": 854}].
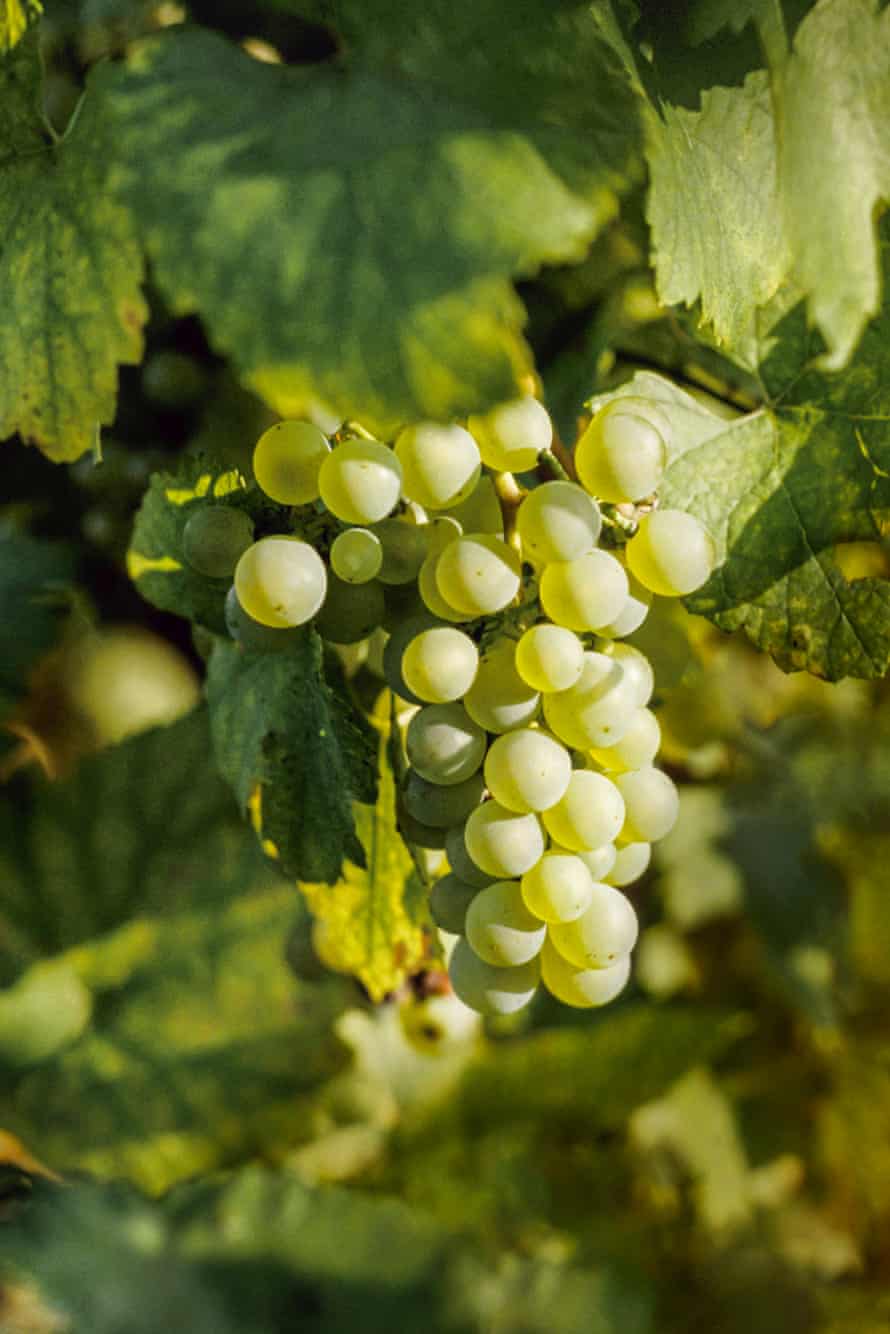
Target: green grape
[
  {"x": 449, "y": 900},
  {"x": 215, "y": 538},
  {"x": 402, "y": 603},
  {"x": 622, "y": 454},
  {"x": 395, "y": 647},
  {"x": 604, "y": 933},
  {"x": 671, "y": 553},
  {"x": 443, "y": 743},
  {"x": 512, "y": 436},
  {"x": 439, "y": 664},
  {"x": 420, "y": 834},
  {"x": 356, "y": 555},
  {"x": 481, "y": 511},
  {"x": 487, "y": 989},
  {"x": 350, "y": 611},
  {"x": 440, "y": 806},
  {"x": 499, "y": 700},
  {"x": 590, "y": 813},
  {"x": 254, "y": 637},
  {"x": 435, "y": 1025},
  {"x": 599, "y": 861},
  {"x": 637, "y": 668},
  {"x": 287, "y": 460},
  {"x": 583, "y": 988},
  {"x": 632, "y": 614},
  {"x": 281, "y": 581},
  {"x": 172, "y": 379},
  {"x": 584, "y": 593},
  {"x": 636, "y": 749},
  {"x": 501, "y": 842},
  {"x": 598, "y": 709},
  {"x": 651, "y": 802},
  {"x": 549, "y": 657},
  {"x": 630, "y": 863},
  {"x": 462, "y": 863},
  {"x": 428, "y": 586},
  {"x": 360, "y": 481},
  {"x": 478, "y": 574},
  {"x": 404, "y": 547},
  {"x": 500, "y": 928},
  {"x": 557, "y": 522},
  {"x": 527, "y": 770},
  {"x": 440, "y": 464},
  {"x": 559, "y": 887},
  {"x": 441, "y": 532}
]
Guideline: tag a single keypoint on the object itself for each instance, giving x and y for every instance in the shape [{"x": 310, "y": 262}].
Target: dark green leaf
[{"x": 35, "y": 579}]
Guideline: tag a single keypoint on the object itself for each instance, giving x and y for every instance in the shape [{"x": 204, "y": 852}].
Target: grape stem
[{"x": 555, "y": 464}]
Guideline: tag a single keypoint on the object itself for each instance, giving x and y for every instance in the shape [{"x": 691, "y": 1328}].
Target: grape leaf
[
  {"x": 74, "y": 862},
  {"x": 156, "y": 562},
  {"x": 70, "y": 304},
  {"x": 278, "y": 725},
  {"x": 350, "y": 235},
  {"x": 15, "y": 18},
  {"x": 194, "y": 1048},
  {"x": 35, "y": 581},
  {"x": 779, "y": 490},
  {"x": 369, "y": 919}
]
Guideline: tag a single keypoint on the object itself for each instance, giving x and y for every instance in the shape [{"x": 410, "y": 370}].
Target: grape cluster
[{"x": 531, "y": 748}]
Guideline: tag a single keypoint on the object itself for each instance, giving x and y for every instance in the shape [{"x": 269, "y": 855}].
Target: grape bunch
[{"x": 530, "y": 749}]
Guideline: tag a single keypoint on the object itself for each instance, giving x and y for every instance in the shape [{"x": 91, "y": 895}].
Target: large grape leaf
[
  {"x": 70, "y": 303},
  {"x": 194, "y": 1045},
  {"x": 372, "y": 923},
  {"x": 140, "y": 828},
  {"x": 279, "y": 728},
  {"x": 780, "y": 490},
  {"x": 350, "y": 234}
]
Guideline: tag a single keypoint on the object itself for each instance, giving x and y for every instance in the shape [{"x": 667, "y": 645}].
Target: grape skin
[
  {"x": 215, "y": 538},
  {"x": 527, "y": 770},
  {"x": 440, "y": 464},
  {"x": 511, "y": 437},
  {"x": 557, "y": 522},
  {"x": 636, "y": 749},
  {"x": 504, "y": 844},
  {"x": 583, "y": 988},
  {"x": 500, "y": 928},
  {"x": 622, "y": 455},
  {"x": 404, "y": 548},
  {"x": 651, "y": 802},
  {"x": 440, "y": 806},
  {"x": 637, "y": 670},
  {"x": 395, "y": 647},
  {"x": 252, "y": 635},
  {"x": 478, "y": 574},
  {"x": 631, "y": 861},
  {"x": 449, "y": 900},
  {"x": 287, "y": 460},
  {"x": 499, "y": 700},
  {"x": 584, "y": 593},
  {"x": 598, "y": 709},
  {"x": 440, "y": 664},
  {"x": 490, "y": 990},
  {"x": 549, "y": 657},
  {"x": 604, "y": 933},
  {"x": 360, "y": 481},
  {"x": 671, "y": 553},
  {"x": 559, "y": 887},
  {"x": 350, "y": 611},
  {"x": 590, "y": 813},
  {"x": 356, "y": 555},
  {"x": 462, "y": 863},
  {"x": 444, "y": 744},
  {"x": 280, "y": 581}
]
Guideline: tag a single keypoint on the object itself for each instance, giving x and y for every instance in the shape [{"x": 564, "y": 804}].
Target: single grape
[
  {"x": 462, "y": 863},
  {"x": 252, "y": 635},
  {"x": 599, "y": 861},
  {"x": 603, "y": 934},
  {"x": 356, "y": 555},
  {"x": 500, "y": 928},
  {"x": 501, "y": 842},
  {"x": 487, "y": 989},
  {"x": 636, "y": 749},
  {"x": 512, "y": 436},
  {"x": 440, "y": 806},
  {"x": 671, "y": 553},
  {"x": 420, "y": 834},
  {"x": 444, "y": 744},
  {"x": 558, "y": 888},
  {"x": 637, "y": 668},
  {"x": 281, "y": 581},
  {"x": 584, "y": 593},
  {"x": 527, "y": 770},
  {"x": 549, "y": 657},
  {"x": 404, "y": 548},
  {"x": 428, "y": 586},
  {"x": 632, "y": 614},
  {"x": 651, "y": 802},
  {"x": 398, "y": 641},
  {"x": 481, "y": 511},
  {"x": 557, "y": 522},
  {"x": 499, "y": 700},
  {"x": 360, "y": 481},
  {"x": 630, "y": 863},
  {"x": 287, "y": 460},
  {"x": 440, "y": 664},
  {"x": 598, "y": 709},
  {"x": 449, "y": 900},
  {"x": 478, "y": 574},
  {"x": 583, "y": 988},
  {"x": 440, "y": 464},
  {"x": 590, "y": 813},
  {"x": 215, "y": 538},
  {"x": 350, "y": 611},
  {"x": 622, "y": 454}
]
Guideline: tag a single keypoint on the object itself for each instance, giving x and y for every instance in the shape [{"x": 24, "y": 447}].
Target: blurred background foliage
[{"x": 202, "y": 1128}]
